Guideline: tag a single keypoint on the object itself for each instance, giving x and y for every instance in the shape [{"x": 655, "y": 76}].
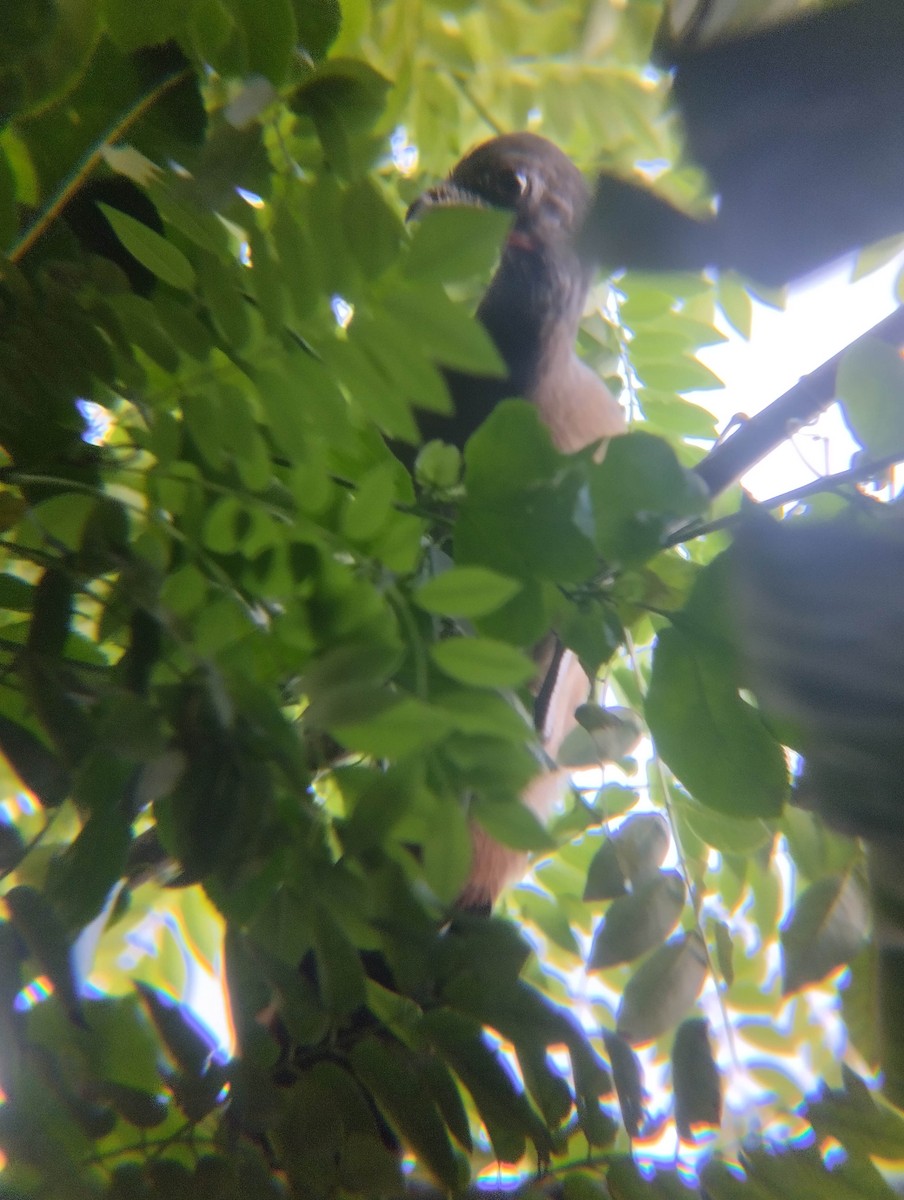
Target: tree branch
[
  {"x": 729, "y": 460},
  {"x": 71, "y": 185},
  {"x": 827, "y": 483}
]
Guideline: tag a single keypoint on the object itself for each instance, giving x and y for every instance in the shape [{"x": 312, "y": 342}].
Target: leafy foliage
[{"x": 256, "y": 679}]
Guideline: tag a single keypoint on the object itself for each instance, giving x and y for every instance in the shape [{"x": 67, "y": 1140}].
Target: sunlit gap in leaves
[
  {"x": 502, "y": 1177},
  {"x": 342, "y": 311},
  {"x": 250, "y": 198},
  {"x": 652, "y": 168},
  {"x": 163, "y": 949},
  {"x": 98, "y": 421},
  {"x": 13, "y": 808},
  {"x": 404, "y": 153},
  {"x": 833, "y": 1153},
  {"x": 34, "y": 994}
]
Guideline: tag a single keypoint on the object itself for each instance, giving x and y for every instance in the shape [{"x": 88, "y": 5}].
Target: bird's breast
[{"x": 575, "y": 405}]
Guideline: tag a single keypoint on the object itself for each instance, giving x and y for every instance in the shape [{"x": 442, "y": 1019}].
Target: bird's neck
[{"x": 532, "y": 310}]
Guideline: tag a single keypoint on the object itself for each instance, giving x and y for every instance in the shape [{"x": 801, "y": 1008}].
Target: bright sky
[{"x": 824, "y": 314}]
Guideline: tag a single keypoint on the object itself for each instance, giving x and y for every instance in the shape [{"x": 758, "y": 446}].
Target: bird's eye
[{"x": 513, "y": 184}]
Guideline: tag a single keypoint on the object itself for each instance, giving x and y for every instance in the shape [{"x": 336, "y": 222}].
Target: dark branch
[
  {"x": 728, "y": 461},
  {"x": 826, "y": 483}
]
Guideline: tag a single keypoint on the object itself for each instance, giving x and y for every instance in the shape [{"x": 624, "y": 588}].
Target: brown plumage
[
  {"x": 532, "y": 309},
  {"x": 533, "y": 305}
]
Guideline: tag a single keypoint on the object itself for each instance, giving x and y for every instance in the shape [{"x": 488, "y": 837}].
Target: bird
[
  {"x": 532, "y": 310},
  {"x": 533, "y": 305}
]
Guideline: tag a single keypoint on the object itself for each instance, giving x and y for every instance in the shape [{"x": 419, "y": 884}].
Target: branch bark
[{"x": 729, "y": 460}]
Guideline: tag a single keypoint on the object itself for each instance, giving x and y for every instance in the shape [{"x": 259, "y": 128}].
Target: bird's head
[{"x": 526, "y": 174}]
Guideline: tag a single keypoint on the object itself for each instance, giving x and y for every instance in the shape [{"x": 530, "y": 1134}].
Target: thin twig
[
  {"x": 69, "y": 187},
  {"x": 35, "y": 841},
  {"x": 827, "y": 483},
  {"x": 460, "y": 81}
]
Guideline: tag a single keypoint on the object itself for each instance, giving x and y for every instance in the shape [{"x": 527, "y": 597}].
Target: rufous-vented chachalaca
[{"x": 532, "y": 309}]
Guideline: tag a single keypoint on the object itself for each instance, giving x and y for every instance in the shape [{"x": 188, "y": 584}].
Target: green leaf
[
  {"x": 367, "y": 508},
  {"x": 638, "y": 922},
  {"x": 178, "y": 204},
  {"x": 505, "y": 1112},
  {"x": 722, "y": 1183},
  {"x": 366, "y": 1164},
  {"x": 372, "y": 228},
  {"x": 724, "y": 951},
  {"x": 298, "y": 259},
  {"x": 675, "y": 416},
  {"x": 512, "y": 824},
  {"x": 12, "y": 848},
  {"x": 141, "y": 1109},
  {"x": 343, "y": 86},
  {"x": 177, "y": 1029},
  {"x": 319, "y": 22},
  {"x": 639, "y": 492},
  {"x": 547, "y": 1087},
  {"x": 713, "y": 740},
  {"x": 660, "y": 992},
  {"x": 339, "y": 969},
  {"x": 466, "y": 592},
  {"x": 483, "y": 662},
  {"x": 270, "y": 36},
  {"x": 438, "y": 466},
  {"x": 266, "y": 281},
  {"x": 735, "y": 303},
  {"x": 42, "y": 931},
  {"x": 525, "y": 510},
  {"x": 869, "y": 383},
  {"x": 447, "y": 851},
  {"x": 854, "y": 1117},
  {"x": 627, "y": 1075},
  {"x": 550, "y": 919},
  {"x": 680, "y": 375},
  {"x": 827, "y": 927},
  {"x": 695, "y": 1079},
  {"x": 446, "y": 330},
  {"x": 221, "y": 288},
  {"x": 51, "y": 613},
  {"x": 624, "y": 1179},
  {"x": 35, "y": 763},
  {"x": 395, "y": 728},
  {"x": 580, "y": 1186},
  {"x": 7, "y": 201},
  {"x": 455, "y": 243},
  {"x": 479, "y": 712},
  {"x": 140, "y": 322},
  {"x": 135, "y": 25},
  {"x": 390, "y": 1074},
  {"x": 81, "y": 878},
  {"x": 602, "y": 735},
  {"x": 723, "y": 833},
  {"x": 634, "y": 853},
  {"x": 161, "y": 257}
]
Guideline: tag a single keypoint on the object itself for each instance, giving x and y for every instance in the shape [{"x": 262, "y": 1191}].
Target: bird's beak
[{"x": 443, "y": 195}]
